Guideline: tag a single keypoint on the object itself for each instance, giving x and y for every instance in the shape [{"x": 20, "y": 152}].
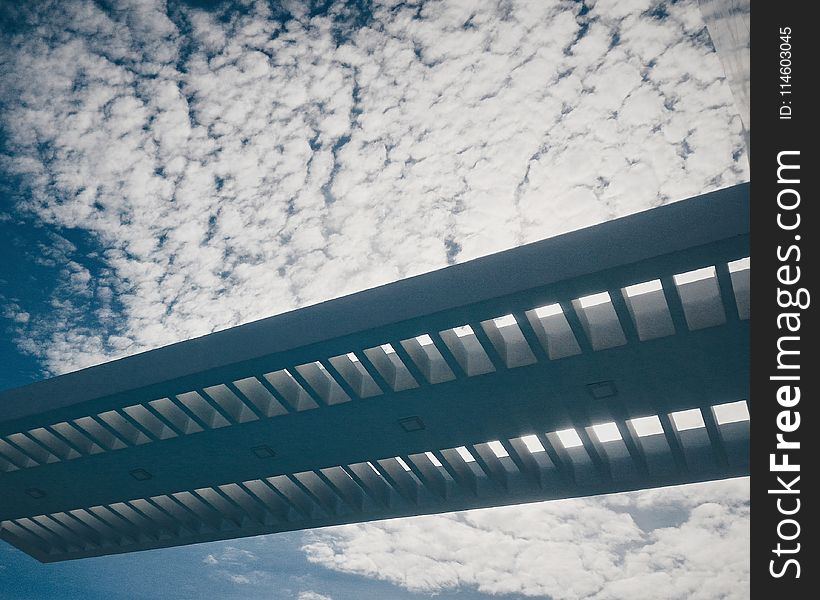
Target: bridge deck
[{"x": 609, "y": 359}]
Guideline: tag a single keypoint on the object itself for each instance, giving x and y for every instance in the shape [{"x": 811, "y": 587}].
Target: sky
[{"x": 168, "y": 169}]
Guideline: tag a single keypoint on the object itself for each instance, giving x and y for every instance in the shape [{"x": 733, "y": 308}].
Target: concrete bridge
[{"x": 609, "y": 359}]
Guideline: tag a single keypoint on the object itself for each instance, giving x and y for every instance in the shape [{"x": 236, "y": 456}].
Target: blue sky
[
  {"x": 146, "y": 575},
  {"x": 168, "y": 169}
]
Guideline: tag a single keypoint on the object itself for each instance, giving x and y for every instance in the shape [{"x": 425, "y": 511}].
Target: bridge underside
[{"x": 614, "y": 358}]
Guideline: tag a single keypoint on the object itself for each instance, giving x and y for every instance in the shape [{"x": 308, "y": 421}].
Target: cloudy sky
[{"x": 168, "y": 169}]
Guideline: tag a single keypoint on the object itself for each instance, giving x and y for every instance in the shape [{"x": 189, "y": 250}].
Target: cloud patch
[
  {"x": 592, "y": 548},
  {"x": 238, "y": 566},
  {"x": 312, "y": 596}
]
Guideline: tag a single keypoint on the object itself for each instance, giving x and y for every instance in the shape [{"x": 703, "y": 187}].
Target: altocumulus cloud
[
  {"x": 228, "y": 164},
  {"x": 603, "y": 548},
  {"x": 232, "y": 163}
]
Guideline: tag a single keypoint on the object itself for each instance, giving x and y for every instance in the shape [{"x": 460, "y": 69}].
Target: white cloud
[
  {"x": 592, "y": 548},
  {"x": 237, "y": 565},
  {"x": 312, "y": 596},
  {"x": 230, "y": 555},
  {"x": 229, "y": 169}
]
